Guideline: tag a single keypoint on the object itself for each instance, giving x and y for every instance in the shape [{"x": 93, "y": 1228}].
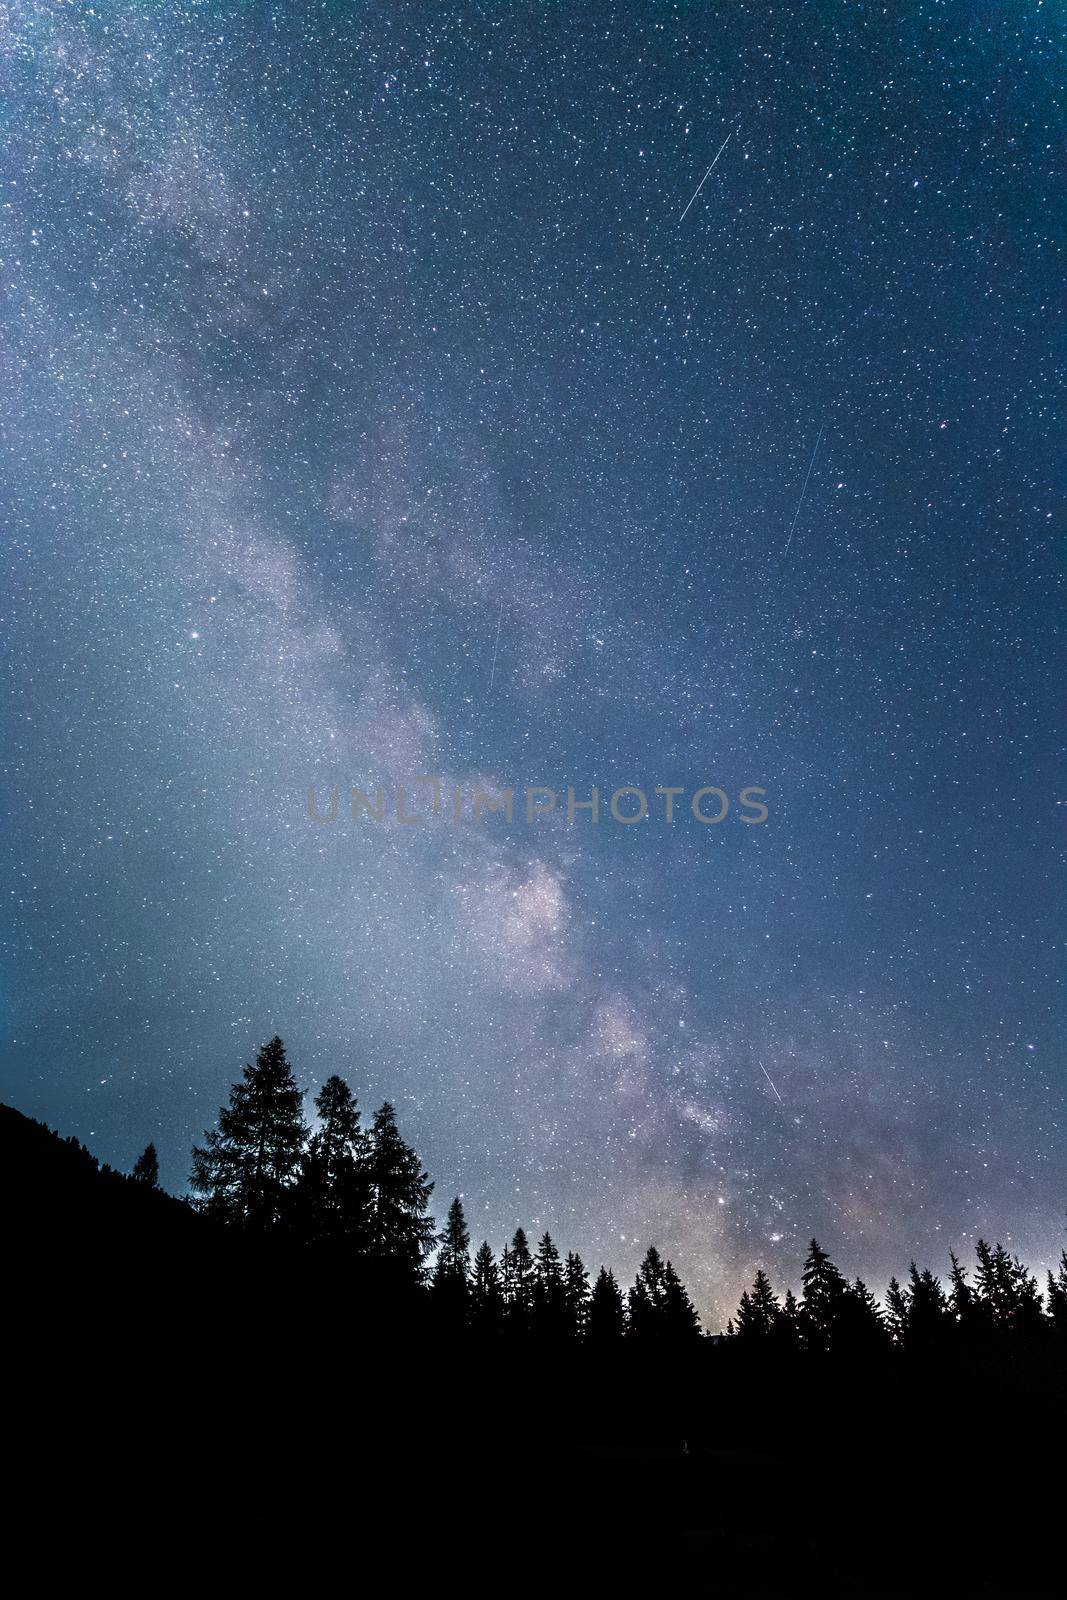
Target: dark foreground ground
[{"x": 178, "y": 1413}]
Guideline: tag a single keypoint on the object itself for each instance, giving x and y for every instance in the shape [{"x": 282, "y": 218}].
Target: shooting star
[
  {"x": 496, "y": 647},
  {"x": 770, "y": 1080},
  {"x": 707, "y": 174},
  {"x": 803, "y": 492}
]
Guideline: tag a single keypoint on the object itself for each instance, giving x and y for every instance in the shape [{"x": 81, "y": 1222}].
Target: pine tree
[
  {"x": 146, "y": 1167},
  {"x": 786, "y": 1332},
  {"x": 519, "y": 1283},
  {"x": 606, "y": 1320},
  {"x": 927, "y": 1310},
  {"x": 759, "y": 1310},
  {"x": 644, "y": 1303},
  {"x": 486, "y": 1294},
  {"x": 575, "y": 1295},
  {"x": 896, "y": 1302},
  {"x": 401, "y": 1234},
  {"x": 861, "y": 1330},
  {"x": 451, "y": 1274},
  {"x": 678, "y": 1317},
  {"x": 246, "y": 1168},
  {"x": 658, "y": 1305},
  {"x": 993, "y": 1284},
  {"x": 548, "y": 1305},
  {"x": 962, "y": 1300},
  {"x": 825, "y": 1291},
  {"x": 1057, "y": 1297},
  {"x": 334, "y": 1189}
]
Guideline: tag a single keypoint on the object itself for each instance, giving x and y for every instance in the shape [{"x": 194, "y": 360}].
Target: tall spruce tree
[
  {"x": 146, "y": 1167},
  {"x": 519, "y": 1283},
  {"x": 575, "y": 1295},
  {"x": 1057, "y": 1297},
  {"x": 861, "y": 1329},
  {"x": 548, "y": 1301},
  {"x": 758, "y": 1311},
  {"x": 334, "y": 1189},
  {"x": 678, "y": 1315},
  {"x": 401, "y": 1234},
  {"x": 644, "y": 1303},
  {"x": 451, "y": 1273},
  {"x": 825, "y": 1292},
  {"x": 896, "y": 1312},
  {"x": 962, "y": 1301},
  {"x": 786, "y": 1332},
  {"x": 927, "y": 1317},
  {"x": 606, "y": 1321},
  {"x": 247, "y": 1166},
  {"x": 486, "y": 1294}
]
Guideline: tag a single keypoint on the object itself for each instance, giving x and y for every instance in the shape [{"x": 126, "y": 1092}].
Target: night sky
[{"x": 374, "y": 406}]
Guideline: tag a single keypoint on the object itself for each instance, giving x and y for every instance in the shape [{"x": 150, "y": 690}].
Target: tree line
[{"x": 359, "y": 1197}]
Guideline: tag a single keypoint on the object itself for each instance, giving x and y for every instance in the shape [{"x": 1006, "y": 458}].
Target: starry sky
[{"x": 377, "y": 400}]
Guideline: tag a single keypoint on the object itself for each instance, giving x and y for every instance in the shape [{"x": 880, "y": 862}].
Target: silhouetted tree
[
  {"x": 896, "y": 1308},
  {"x": 549, "y": 1304},
  {"x": 333, "y": 1194},
  {"x": 861, "y": 1329},
  {"x": 679, "y": 1319},
  {"x": 962, "y": 1300},
  {"x": 644, "y": 1303},
  {"x": 825, "y": 1291},
  {"x": 401, "y": 1234},
  {"x": 146, "y": 1167},
  {"x": 575, "y": 1295},
  {"x": 606, "y": 1320},
  {"x": 927, "y": 1310},
  {"x": 451, "y": 1273},
  {"x": 1007, "y": 1292},
  {"x": 248, "y": 1164},
  {"x": 486, "y": 1313},
  {"x": 658, "y": 1305},
  {"x": 758, "y": 1311},
  {"x": 1057, "y": 1297},
  {"x": 787, "y": 1332},
  {"x": 518, "y": 1283}
]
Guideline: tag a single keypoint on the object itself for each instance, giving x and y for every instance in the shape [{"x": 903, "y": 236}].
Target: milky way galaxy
[{"x": 368, "y": 416}]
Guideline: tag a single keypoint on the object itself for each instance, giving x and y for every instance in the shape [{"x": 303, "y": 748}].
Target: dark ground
[{"x": 182, "y": 1411}]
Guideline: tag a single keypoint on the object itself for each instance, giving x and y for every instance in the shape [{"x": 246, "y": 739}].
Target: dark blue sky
[{"x": 371, "y": 408}]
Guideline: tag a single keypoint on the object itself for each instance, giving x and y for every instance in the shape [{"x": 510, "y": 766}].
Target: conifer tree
[
  {"x": 896, "y": 1303},
  {"x": 401, "y": 1234},
  {"x": 861, "y": 1329},
  {"x": 758, "y": 1311},
  {"x": 548, "y": 1303},
  {"x": 786, "y": 1331},
  {"x": 519, "y": 1283},
  {"x": 451, "y": 1274},
  {"x": 1057, "y": 1297},
  {"x": 961, "y": 1297},
  {"x": 679, "y": 1319},
  {"x": 334, "y": 1189},
  {"x": 1007, "y": 1293},
  {"x": 825, "y": 1291},
  {"x": 606, "y": 1320},
  {"x": 486, "y": 1315},
  {"x": 658, "y": 1305},
  {"x": 246, "y": 1167},
  {"x": 575, "y": 1295},
  {"x": 644, "y": 1303},
  {"x": 507, "y": 1276},
  {"x": 146, "y": 1167},
  {"x": 927, "y": 1309}
]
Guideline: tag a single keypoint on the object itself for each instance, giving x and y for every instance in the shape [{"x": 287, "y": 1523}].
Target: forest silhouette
[{"x": 821, "y": 1422}]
